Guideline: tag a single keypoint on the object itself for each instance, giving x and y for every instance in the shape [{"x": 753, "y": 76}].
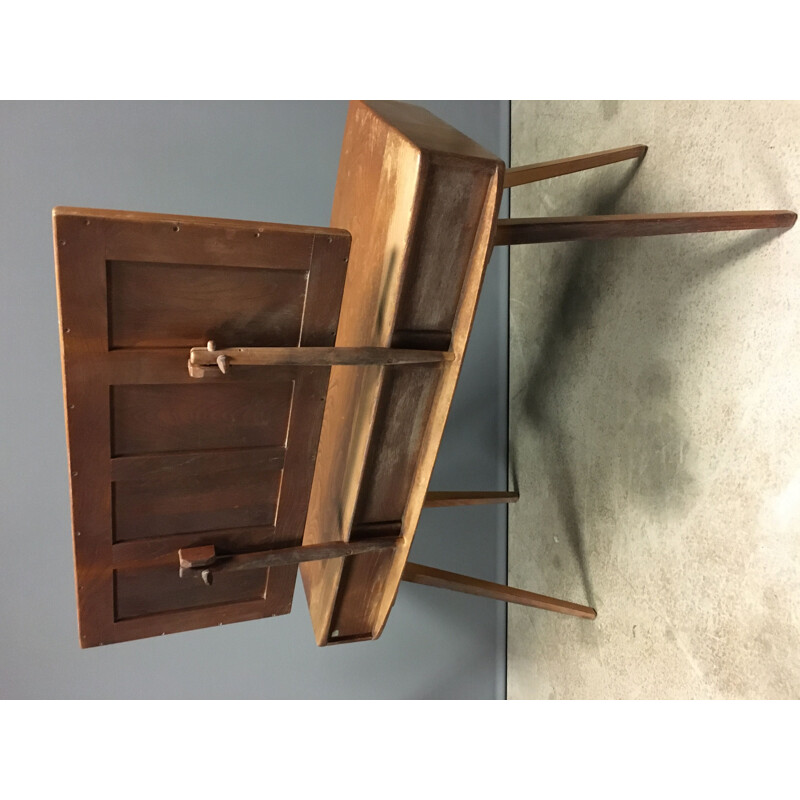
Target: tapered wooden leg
[
  {"x": 438, "y": 499},
  {"x": 530, "y": 173},
  {"x": 564, "y": 229},
  {"x": 428, "y": 576}
]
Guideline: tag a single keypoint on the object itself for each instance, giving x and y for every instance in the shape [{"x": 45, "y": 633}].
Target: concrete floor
[{"x": 655, "y": 410}]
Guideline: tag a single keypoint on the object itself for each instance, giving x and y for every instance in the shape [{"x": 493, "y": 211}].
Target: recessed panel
[
  {"x": 185, "y": 503},
  {"x": 139, "y": 592},
  {"x": 451, "y": 209},
  {"x": 406, "y": 396},
  {"x": 185, "y": 305},
  {"x": 160, "y": 461},
  {"x": 168, "y": 418}
]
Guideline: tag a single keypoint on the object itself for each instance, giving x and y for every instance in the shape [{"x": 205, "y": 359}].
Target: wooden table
[{"x": 322, "y": 363}]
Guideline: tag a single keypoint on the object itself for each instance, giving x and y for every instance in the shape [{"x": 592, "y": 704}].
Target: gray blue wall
[{"x": 271, "y": 161}]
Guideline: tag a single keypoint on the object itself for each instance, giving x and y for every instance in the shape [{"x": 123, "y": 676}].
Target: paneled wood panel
[
  {"x": 199, "y": 416},
  {"x": 181, "y": 305},
  {"x": 160, "y": 461},
  {"x": 139, "y": 592},
  {"x": 178, "y": 503}
]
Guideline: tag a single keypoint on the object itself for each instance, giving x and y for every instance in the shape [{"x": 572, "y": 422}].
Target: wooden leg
[
  {"x": 530, "y": 173},
  {"x": 428, "y": 576},
  {"x": 565, "y": 229},
  {"x": 438, "y": 499}
]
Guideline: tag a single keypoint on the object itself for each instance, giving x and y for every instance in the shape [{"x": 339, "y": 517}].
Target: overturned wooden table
[{"x": 322, "y": 363}]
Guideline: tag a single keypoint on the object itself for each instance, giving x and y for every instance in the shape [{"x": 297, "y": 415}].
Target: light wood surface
[
  {"x": 530, "y": 173},
  {"x": 415, "y": 270}
]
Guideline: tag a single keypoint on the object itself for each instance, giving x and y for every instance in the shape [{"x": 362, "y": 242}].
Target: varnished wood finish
[
  {"x": 530, "y": 173},
  {"x": 160, "y": 462},
  {"x": 535, "y": 230},
  {"x": 441, "y": 499},
  {"x": 422, "y": 212},
  {"x": 316, "y": 356},
  {"x": 429, "y": 576}
]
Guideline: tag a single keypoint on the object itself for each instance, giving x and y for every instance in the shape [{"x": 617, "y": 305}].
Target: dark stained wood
[
  {"x": 366, "y": 529},
  {"x": 564, "y": 229},
  {"x": 160, "y": 462},
  {"x": 181, "y": 304},
  {"x": 168, "y": 365},
  {"x": 178, "y": 503},
  {"x": 82, "y": 303},
  {"x": 202, "y": 614},
  {"x": 435, "y": 271},
  {"x": 429, "y": 576},
  {"x": 161, "y": 550},
  {"x": 530, "y": 173},
  {"x": 440, "y": 499},
  {"x": 401, "y": 416},
  {"x": 152, "y": 419},
  {"x": 140, "y": 592},
  {"x": 196, "y": 462}
]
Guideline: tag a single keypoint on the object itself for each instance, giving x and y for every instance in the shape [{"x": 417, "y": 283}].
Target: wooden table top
[{"x": 420, "y": 200}]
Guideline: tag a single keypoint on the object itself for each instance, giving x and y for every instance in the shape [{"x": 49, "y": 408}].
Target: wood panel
[
  {"x": 432, "y": 282},
  {"x": 420, "y": 200},
  {"x": 195, "y": 462},
  {"x": 180, "y": 503},
  {"x": 197, "y": 416},
  {"x": 152, "y": 590},
  {"x": 159, "y": 461},
  {"x": 403, "y": 408},
  {"x": 151, "y": 551},
  {"x": 183, "y": 305}
]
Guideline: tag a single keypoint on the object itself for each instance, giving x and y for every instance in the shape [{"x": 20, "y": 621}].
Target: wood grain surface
[
  {"x": 159, "y": 461},
  {"x": 420, "y": 200},
  {"x": 535, "y": 230}
]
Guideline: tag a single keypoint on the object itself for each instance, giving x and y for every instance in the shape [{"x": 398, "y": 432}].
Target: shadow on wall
[{"x": 627, "y": 438}]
